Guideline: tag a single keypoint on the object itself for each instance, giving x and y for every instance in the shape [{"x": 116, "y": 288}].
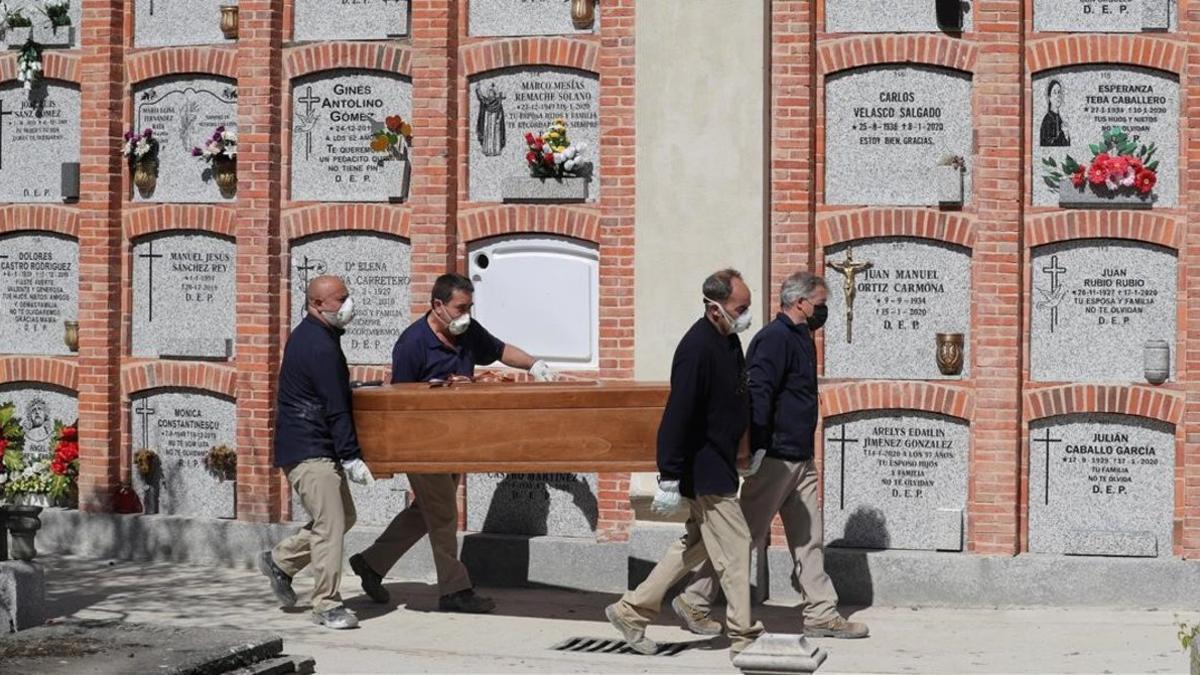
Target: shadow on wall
[{"x": 846, "y": 559}]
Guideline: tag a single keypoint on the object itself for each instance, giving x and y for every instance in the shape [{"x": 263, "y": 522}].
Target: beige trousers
[
  {"x": 789, "y": 489},
  {"x": 325, "y": 494},
  {"x": 434, "y": 513},
  {"x": 715, "y": 531}
]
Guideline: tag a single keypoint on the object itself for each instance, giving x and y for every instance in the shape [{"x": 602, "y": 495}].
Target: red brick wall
[{"x": 437, "y": 220}]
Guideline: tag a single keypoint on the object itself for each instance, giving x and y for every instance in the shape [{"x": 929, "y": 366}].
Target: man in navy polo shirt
[{"x": 444, "y": 344}]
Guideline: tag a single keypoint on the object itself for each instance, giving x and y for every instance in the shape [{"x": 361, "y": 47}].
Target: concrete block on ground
[
  {"x": 22, "y": 595},
  {"x": 780, "y": 653}
]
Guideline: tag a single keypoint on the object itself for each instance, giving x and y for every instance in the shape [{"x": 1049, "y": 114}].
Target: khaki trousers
[
  {"x": 325, "y": 494},
  {"x": 434, "y": 513},
  {"x": 789, "y": 489},
  {"x": 716, "y": 532}
]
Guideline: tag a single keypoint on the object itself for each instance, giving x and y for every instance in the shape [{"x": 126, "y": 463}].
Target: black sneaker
[
  {"x": 467, "y": 602},
  {"x": 372, "y": 583},
  {"x": 281, "y": 583},
  {"x": 338, "y": 618}
]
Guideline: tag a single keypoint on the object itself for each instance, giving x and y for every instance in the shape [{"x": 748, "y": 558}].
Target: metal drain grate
[{"x": 609, "y": 646}]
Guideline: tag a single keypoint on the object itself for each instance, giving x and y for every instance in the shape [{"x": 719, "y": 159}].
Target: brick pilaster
[
  {"x": 100, "y": 189},
  {"x": 259, "y": 62}
]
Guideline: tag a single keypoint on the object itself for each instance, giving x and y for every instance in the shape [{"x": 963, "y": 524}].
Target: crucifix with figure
[
  {"x": 3, "y": 113},
  {"x": 1047, "y": 441},
  {"x": 849, "y": 269},
  {"x": 842, "y": 482},
  {"x": 149, "y": 256}
]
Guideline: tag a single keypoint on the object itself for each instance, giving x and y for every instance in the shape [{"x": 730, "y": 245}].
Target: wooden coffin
[{"x": 528, "y": 427}]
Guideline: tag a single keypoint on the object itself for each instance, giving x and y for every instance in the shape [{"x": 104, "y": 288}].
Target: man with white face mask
[
  {"x": 444, "y": 344},
  {"x": 317, "y": 447},
  {"x": 701, "y": 440}
]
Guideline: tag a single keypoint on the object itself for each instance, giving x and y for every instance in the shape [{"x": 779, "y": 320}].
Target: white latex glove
[
  {"x": 667, "y": 499},
  {"x": 541, "y": 372},
  {"x": 357, "y": 472},
  {"x": 755, "y": 462}
]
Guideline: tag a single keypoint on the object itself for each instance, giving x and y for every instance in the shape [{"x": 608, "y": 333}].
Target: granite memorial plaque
[
  {"x": 896, "y": 479},
  {"x": 183, "y": 296},
  {"x": 900, "y": 292},
  {"x": 39, "y": 132},
  {"x": 1101, "y": 484},
  {"x": 39, "y": 291},
  {"x": 1104, "y": 16},
  {"x": 506, "y": 104},
  {"x": 889, "y": 16},
  {"x": 43, "y": 31},
  {"x": 375, "y": 504},
  {"x": 1074, "y": 106},
  {"x": 39, "y": 406},
  {"x": 1095, "y": 304},
  {"x": 375, "y": 268},
  {"x": 172, "y": 23},
  {"x": 888, "y": 127},
  {"x": 555, "y": 504},
  {"x": 335, "y": 113},
  {"x": 350, "y": 19},
  {"x": 511, "y": 18},
  {"x": 184, "y": 111},
  {"x": 181, "y": 426}
]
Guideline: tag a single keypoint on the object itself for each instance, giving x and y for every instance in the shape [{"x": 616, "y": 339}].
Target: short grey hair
[
  {"x": 797, "y": 286},
  {"x": 719, "y": 285}
]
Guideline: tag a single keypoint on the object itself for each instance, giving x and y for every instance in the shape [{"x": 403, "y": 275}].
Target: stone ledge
[{"x": 22, "y": 596}]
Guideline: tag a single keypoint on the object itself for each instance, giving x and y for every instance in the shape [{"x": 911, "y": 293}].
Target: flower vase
[
  {"x": 950, "y": 353},
  {"x": 229, "y": 21},
  {"x": 225, "y": 173},
  {"x": 71, "y": 335},
  {"x": 23, "y": 524},
  {"x": 583, "y": 13},
  {"x": 32, "y": 499},
  {"x": 949, "y": 185},
  {"x": 527, "y": 189},
  {"x": 145, "y": 176},
  {"x": 1157, "y": 361}
]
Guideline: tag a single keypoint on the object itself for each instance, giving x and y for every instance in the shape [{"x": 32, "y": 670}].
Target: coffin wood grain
[{"x": 510, "y": 427}]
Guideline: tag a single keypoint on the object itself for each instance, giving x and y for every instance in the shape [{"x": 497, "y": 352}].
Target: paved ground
[{"x": 409, "y": 637}]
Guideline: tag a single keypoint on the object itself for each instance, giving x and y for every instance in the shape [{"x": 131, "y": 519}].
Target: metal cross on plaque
[
  {"x": 842, "y": 482},
  {"x": 1047, "y": 440},
  {"x": 1057, "y": 291},
  {"x": 150, "y": 256},
  {"x": 849, "y": 270},
  {"x": 145, "y": 411},
  {"x": 3, "y": 113},
  {"x": 308, "y": 121}
]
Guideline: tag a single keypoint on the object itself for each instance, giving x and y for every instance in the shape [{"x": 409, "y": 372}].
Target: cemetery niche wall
[
  {"x": 898, "y": 16},
  {"x": 1101, "y": 484},
  {"x": 39, "y": 293},
  {"x": 1097, "y": 305},
  {"x": 356, "y": 20},
  {"x": 898, "y": 135},
  {"x": 890, "y": 298},
  {"x": 896, "y": 479},
  {"x": 1079, "y": 110},
  {"x": 1105, "y": 16},
  {"x": 336, "y": 115},
  {"x": 507, "y": 104},
  {"x": 39, "y": 142}
]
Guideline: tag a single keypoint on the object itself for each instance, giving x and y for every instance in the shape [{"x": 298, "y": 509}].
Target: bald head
[{"x": 325, "y": 294}]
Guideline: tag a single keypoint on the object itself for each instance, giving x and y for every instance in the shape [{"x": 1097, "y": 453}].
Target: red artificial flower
[
  {"x": 3, "y": 446},
  {"x": 70, "y": 434},
  {"x": 1135, "y": 164},
  {"x": 1098, "y": 171},
  {"x": 538, "y": 143},
  {"x": 1145, "y": 180},
  {"x": 1078, "y": 179},
  {"x": 548, "y": 158},
  {"x": 530, "y": 157},
  {"x": 529, "y": 138},
  {"x": 394, "y": 123},
  {"x": 58, "y": 467}
]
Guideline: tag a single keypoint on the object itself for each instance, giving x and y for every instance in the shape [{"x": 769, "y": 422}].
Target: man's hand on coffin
[
  {"x": 749, "y": 468},
  {"x": 667, "y": 499},
  {"x": 357, "y": 472},
  {"x": 541, "y": 372}
]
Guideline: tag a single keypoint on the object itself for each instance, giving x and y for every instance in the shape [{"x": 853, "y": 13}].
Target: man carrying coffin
[
  {"x": 444, "y": 344},
  {"x": 702, "y": 434}
]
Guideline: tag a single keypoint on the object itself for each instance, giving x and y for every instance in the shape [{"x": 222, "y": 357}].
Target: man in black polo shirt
[
  {"x": 782, "y": 367},
  {"x": 702, "y": 434},
  {"x": 444, "y": 344}
]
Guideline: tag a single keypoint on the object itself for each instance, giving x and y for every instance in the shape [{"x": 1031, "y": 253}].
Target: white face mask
[
  {"x": 342, "y": 317},
  {"x": 736, "y": 325},
  {"x": 459, "y": 325}
]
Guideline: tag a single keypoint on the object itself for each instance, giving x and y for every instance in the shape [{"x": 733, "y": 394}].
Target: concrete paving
[{"x": 409, "y": 636}]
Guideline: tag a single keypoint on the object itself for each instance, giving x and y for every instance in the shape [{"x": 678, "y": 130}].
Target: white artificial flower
[
  {"x": 569, "y": 165},
  {"x": 231, "y": 151},
  {"x": 559, "y": 158},
  {"x": 582, "y": 147},
  {"x": 230, "y": 136},
  {"x": 37, "y": 66},
  {"x": 142, "y": 148},
  {"x": 126, "y": 149}
]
